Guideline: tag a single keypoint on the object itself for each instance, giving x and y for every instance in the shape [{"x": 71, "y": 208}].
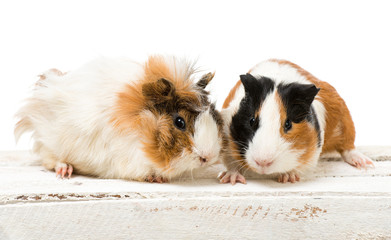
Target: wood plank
[
  {"x": 284, "y": 217},
  {"x": 337, "y": 201}
]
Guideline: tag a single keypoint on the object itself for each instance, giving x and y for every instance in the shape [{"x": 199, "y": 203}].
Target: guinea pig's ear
[
  {"x": 248, "y": 82},
  {"x": 159, "y": 89},
  {"x": 298, "y": 98},
  {"x": 204, "y": 81}
]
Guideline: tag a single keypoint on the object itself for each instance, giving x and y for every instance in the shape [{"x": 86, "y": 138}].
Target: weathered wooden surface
[{"x": 336, "y": 202}]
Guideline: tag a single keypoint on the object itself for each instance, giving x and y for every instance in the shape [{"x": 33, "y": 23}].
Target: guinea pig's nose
[
  {"x": 264, "y": 162},
  {"x": 203, "y": 160}
]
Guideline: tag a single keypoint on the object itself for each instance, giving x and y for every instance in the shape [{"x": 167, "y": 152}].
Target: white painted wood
[
  {"x": 336, "y": 202},
  {"x": 250, "y": 217}
]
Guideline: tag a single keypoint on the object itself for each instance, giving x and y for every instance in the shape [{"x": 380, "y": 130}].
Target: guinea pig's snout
[{"x": 263, "y": 163}]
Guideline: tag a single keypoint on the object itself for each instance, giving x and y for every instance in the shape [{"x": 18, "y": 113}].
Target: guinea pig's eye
[
  {"x": 252, "y": 122},
  {"x": 287, "y": 125},
  {"x": 179, "y": 122}
]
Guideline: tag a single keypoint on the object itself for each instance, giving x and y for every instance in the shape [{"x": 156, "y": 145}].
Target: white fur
[
  {"x": 70, "y": 119},
  {"x": 278, "y": 72},
  {"x": 206, "y": 137},
  {"x": 180, "y": 67}
]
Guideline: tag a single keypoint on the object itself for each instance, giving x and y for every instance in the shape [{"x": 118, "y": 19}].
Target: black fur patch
[
  {"x": 297, "y": 99},
  {"x": 313, "y": 119},
  {"x": 256, "y": 90}
]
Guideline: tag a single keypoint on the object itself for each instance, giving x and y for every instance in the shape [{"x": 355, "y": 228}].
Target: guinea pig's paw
[
  {"x": 231, "y": 176},
  {"x": 357, "y": 159},
  {"x": 291, "y": 176},
  {"x": 62, "y": 169},
  {"x": 156, "y": 179}
]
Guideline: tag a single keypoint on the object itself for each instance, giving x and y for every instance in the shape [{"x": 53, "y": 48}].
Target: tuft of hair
[
  {"x": 22, "y": 126},
  {"x": 33, "y": 106},
  {"x": 179, "y": 71}
]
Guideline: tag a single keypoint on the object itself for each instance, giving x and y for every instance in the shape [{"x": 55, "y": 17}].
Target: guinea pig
[
  {"x": 116, "y": 118},
  {"x": 280, "y": 119}
]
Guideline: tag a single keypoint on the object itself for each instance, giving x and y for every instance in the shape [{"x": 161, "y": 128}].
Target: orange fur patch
[
  {"x": 231, "y": 94},
  {"x": 339, "y": 131}
]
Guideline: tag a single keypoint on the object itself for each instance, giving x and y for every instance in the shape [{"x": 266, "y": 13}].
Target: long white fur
[
  {"x": 207, "y": 145},
  {"x": 70, "y": 119}
]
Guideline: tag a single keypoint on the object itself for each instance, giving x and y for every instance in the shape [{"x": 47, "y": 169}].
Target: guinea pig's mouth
[
  {"x": 262, "y": 166},
  {"x": 206, "y": 160},
  {"x": 262, "y": 171},
  {"x": 188, "y": 161}
]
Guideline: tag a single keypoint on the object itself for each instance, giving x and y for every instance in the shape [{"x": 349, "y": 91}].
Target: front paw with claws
[
  {"x": 291, "y": 176},
  {"x": 232, "y": 177},
  {"x": 156, "y": 179},
  {"x": 63, "y": 169}
]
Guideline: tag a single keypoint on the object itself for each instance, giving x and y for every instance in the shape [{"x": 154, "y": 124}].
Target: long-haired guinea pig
[
  {"x": 280, "y": 118},
  {"x": 116, "y": 118}
]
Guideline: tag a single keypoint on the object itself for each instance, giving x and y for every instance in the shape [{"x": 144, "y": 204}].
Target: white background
[{"x": 346, "y": 43}]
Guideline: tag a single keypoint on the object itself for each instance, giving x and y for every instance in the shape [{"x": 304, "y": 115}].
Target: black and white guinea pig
[
  {"x": 280, "y": 118},
  {"x": 116, "y": 118}
]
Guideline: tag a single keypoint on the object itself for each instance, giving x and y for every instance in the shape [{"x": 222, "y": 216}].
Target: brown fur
[
  {"x": 146, "y": 107},
  {"x": 161, "y": 139},
  {"x": 238, "y": 161},
  {"x": 339, "y": 131}
]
